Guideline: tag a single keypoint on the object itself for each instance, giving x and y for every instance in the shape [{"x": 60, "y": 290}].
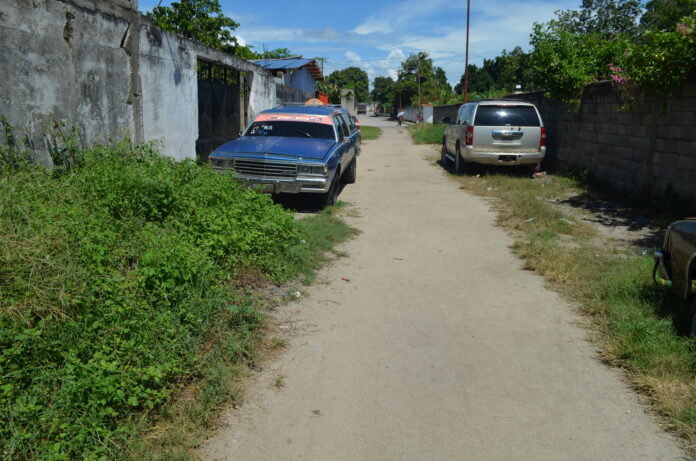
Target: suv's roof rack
[{"x": 499, "y": 99}]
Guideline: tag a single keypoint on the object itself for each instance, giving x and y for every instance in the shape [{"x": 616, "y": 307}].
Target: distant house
[{"x": 296, "y": 77}]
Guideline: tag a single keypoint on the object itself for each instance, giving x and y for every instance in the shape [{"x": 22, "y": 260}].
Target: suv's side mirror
[{"x": 446, "y": 120}]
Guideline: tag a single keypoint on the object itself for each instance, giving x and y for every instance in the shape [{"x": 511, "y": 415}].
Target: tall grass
[
  {"x": 427, "y": 133},
  {"x": 370, "y": 133}
]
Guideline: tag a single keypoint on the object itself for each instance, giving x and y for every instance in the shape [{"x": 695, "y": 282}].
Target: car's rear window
[
  {"x": 506, "y": 115},
  {"x": 291, "y": 129}
]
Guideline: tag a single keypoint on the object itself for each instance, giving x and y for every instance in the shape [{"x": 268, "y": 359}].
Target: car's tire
[
  {"x": 351, "y": 173},
  {"x": 329, "y": 197},
  {"x": 458, "y": 161},
  {"x": 443, "y": 153},
  {"x": 692, "y": 331}
]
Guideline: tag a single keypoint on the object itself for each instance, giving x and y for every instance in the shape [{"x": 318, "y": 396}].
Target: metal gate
[{"x": 218, "y": 107}]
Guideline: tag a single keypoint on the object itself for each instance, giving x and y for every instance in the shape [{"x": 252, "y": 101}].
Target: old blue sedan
[{"x": 295, "y": 149}]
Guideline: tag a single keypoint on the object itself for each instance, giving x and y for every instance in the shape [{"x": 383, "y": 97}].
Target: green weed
[
  {"x": 369, "y": 133},
  {"x": 119, "y": 313},
  {"x": 427, "y": 133}
]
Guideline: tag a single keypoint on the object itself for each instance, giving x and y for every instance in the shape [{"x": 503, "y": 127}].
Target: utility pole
[
  {"x": 419, "y": 92},
  {"x": 466, "y": 62}
]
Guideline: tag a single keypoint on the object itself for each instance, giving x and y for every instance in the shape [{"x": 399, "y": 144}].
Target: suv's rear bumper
[{"x": 503, "y": 158}]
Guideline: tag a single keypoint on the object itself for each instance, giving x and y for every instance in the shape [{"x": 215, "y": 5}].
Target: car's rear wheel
[
  {"x": 458, "y": 161},
  {"x": 443, "y": 153},
  {"x": 352, "y": 172},
  {"x": 693, "y": 315}
]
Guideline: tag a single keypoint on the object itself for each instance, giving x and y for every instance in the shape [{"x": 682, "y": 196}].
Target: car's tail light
[
  {"x": 542, "y": 140},
  {"x": 470, "y": 135}
]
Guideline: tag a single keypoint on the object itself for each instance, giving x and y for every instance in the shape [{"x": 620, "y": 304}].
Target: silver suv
[{"x": 495, "y": 132}]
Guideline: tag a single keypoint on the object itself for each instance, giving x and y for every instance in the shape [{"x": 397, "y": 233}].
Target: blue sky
[{"x": 377, "y": 35}]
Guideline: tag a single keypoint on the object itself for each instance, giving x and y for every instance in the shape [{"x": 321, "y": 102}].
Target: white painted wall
[{"x": 170, "y": 93}]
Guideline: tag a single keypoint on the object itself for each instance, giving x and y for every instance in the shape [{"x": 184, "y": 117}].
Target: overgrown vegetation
[
  {"x": 120, "y": 299},
  {"x": 369, "y": 133},
  {"x": 427, "y": 133},
  {"x": 640, "y": 327},
  {"x": 569, "y": 53}
]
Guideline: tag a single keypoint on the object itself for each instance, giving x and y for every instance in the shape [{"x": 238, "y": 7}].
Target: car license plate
[{"x": 268, "y": 188}]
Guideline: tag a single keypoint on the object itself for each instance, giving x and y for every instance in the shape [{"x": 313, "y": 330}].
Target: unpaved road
[{"x": 440, "y": 347}]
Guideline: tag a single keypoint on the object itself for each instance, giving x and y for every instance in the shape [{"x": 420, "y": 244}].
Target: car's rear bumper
[
  {"x": 274, "y": 185},
  {"x": 503, "y": 158},
  {"x": 660, "y": 272}
]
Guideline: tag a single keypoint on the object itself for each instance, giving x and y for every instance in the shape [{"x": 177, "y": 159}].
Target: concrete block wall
[{"x": 651, "y": 147}]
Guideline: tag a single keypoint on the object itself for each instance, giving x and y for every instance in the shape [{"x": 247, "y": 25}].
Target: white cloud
[{"x": 395, "y": 19}]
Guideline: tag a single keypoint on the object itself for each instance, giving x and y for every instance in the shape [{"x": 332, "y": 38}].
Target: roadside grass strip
[
  {"x": 370, "y": 133},
  {"x": 427, "y": 133},
  {"x": 638, "y": 325},
  {"x": 132, "y": 299}
]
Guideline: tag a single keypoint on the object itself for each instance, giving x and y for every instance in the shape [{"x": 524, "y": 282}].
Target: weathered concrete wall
[
  {"x": 449, "y": 110},
  {"x": 67, "y": 61},
  {"x": 170, "y": 96},
  {"x": 100, "y": 66},
  {"x": 650, "y": 148}
]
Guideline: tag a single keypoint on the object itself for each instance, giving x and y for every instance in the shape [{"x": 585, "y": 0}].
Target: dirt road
[{"x": 439, "y": 347}]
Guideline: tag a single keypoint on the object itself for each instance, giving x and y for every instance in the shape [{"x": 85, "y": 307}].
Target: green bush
[
  {"x": 427, "y": 133},
  {"x": 111, "y": 272}
]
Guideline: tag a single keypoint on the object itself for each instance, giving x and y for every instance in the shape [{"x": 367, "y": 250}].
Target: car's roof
[{"x": 309, "y": 110}]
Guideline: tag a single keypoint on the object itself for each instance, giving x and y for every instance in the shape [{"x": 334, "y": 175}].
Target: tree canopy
[
  {"x": 384, "y": 91},
  {"x": 353, "y": 78},
  {"x": 434, "y": 87},
  {"x": 200, "y": 20},
  {"x": 665, "y": 14}
]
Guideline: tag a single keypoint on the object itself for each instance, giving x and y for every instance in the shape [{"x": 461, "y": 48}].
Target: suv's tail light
[
  {"x": 470, "y": 135},
  {"x": 542, "y": 140}
]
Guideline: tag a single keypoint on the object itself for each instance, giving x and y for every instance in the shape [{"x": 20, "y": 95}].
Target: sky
[{"x": 377, "y": 35}]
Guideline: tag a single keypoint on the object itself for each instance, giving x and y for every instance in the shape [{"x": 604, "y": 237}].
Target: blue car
[{"x": 293, "y": 150}]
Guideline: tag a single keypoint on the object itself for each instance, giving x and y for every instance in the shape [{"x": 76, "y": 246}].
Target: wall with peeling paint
[{"x": 100, "y": 66}]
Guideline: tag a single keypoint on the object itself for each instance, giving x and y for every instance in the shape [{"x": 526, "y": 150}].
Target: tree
[
  {"x": 351, "y": 77},
  {"x": 277, "y": 53},
  {"x": 665, "y": 14},
  {"x": 480, "y": 81},
  {"x": 604, "y": 17},
  {"x": 417, "y": 71},
  {"x": 384, "y": 91},
  {"x": 200, "y": 20}
]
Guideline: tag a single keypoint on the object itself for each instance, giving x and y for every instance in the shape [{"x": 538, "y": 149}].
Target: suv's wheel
[
  {"x": 349, "y": 176},
  {"x": 458, "y": 161},
  {"x": 443, "y": 154},
  {"x": 693, "y": 315}
]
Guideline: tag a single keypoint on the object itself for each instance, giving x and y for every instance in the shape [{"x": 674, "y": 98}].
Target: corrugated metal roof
[{"x": 293, "y": 63}]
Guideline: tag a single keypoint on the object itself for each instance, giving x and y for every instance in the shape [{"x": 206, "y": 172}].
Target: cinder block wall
[{"x": 651, "y": 147}]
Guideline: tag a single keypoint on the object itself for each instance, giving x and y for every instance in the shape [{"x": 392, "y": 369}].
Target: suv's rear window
[
  {"x": 291, "y": 129},
  {"x": 506, "y": 115}
]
